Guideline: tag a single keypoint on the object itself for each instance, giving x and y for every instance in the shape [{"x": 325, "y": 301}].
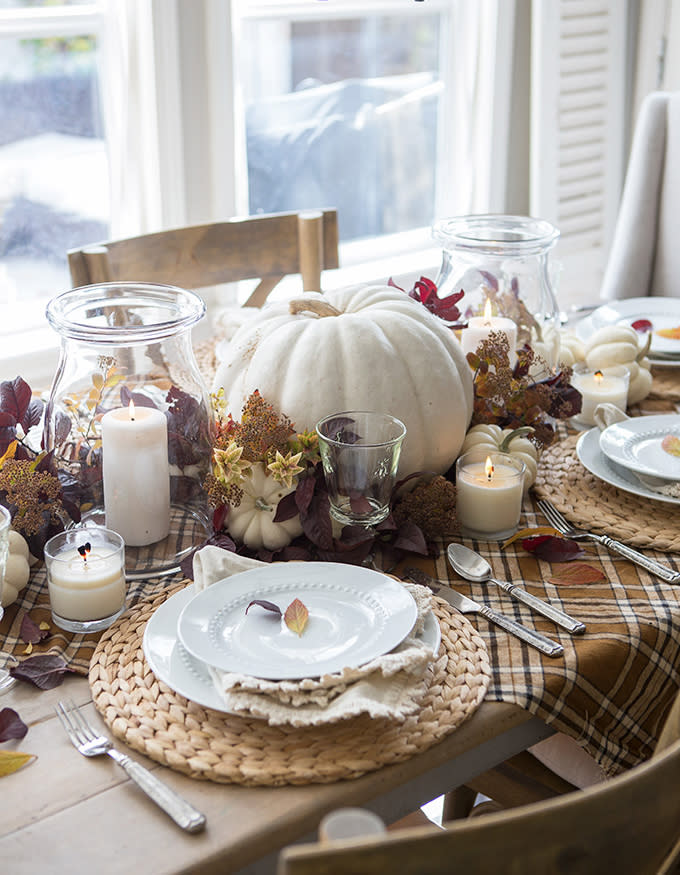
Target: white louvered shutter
[{"x": 579, "y": 98}]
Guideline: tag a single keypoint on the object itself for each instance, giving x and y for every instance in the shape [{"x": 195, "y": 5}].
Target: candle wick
[{"x": 84, "y": 549}]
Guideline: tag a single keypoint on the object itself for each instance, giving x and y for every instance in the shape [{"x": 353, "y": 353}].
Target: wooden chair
[
  {"x": 629, "y": 825},
  {"x": 266, "y": 247}
]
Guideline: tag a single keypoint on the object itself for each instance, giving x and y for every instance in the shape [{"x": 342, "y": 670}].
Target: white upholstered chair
[{"x": 645, "y": 256}]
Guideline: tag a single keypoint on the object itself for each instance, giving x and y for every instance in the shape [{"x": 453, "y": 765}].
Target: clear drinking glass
[
  {"x": 123, "y": 342},
  {"x": 360, "y": 456}
]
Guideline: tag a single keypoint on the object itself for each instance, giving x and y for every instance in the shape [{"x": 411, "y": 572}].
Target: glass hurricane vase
[
  {"x": 504, "y": 260},
  {"x": 122, "y": 343}
]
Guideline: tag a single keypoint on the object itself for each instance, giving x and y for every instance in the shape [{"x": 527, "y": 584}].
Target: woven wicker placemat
[
  {"x": 666, "y": 383},
  {"x": 592, "y": 504},
  {"x": 153, "y": 719}
]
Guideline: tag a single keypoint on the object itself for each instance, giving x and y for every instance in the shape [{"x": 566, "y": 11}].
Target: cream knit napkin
[{"x": 389, "y": 686}]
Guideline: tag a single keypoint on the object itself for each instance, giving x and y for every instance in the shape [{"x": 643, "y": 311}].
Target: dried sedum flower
[
  {"x": 35, "y": 494},
  {"x": 431, "y": 506}
]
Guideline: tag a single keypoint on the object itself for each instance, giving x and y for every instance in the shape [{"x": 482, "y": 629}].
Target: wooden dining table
[{"x": 63, "y": 812}]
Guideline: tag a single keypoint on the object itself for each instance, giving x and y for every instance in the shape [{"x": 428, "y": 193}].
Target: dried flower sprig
[{"x": 511, "y": 398}]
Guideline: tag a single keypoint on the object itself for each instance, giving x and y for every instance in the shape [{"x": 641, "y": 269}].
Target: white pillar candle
[
  {"x": 609, "y": 385},
  {"x": 489, "y": 494},
  {"x": 86, "y": 578},
  {"x": 480, "y": 327},
  {"x": 136, "y": 474}
]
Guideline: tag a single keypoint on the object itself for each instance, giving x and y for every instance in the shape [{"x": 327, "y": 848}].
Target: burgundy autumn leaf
[
  {"x": 286, "y": 509},
  {"x": 30, "y": 632},
  {"x": 11, "y": 725},
  {"x": 44, "y": 671},
  {"x": 268, "y": 606},
  {"x": 137, "y": 398},
  {"x": 359, "y": 503},
  {"x": 304, "y": 492},
  {"x": 316, "y": 522},
  {"x": 642, "y": 325},
  {"x": 575, "y": 574},
  {"x": 15, "y": 397},
  {"x": 553, "y": 549},
  {"x": 410, "y": 538}
]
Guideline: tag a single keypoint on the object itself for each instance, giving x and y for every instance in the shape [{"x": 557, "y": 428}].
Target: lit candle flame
[
  {"x": 599, "y": 376},
  {"x": 131, "y": 410},
  {"x": 488, "y": 468},
  {"x": 84, "y": 549},
  {"x": 487, "y": 311}
]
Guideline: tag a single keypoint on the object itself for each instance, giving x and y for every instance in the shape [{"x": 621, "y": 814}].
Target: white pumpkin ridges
[{"x": 385, "y": 352}]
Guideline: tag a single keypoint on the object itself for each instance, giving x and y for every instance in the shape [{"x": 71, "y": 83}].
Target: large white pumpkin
[{"x": 357, "y": 348}]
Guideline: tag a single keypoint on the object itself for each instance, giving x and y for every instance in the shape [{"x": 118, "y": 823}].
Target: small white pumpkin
[
  {"x": 620, "y": 345},
  {"x": 357, "y": 348},
  {"x": 572, "y": 349},
  {"x": 252, "y": 522},
  {"x": 506, "y": 440},
  {"x": 17, "y": 570}
]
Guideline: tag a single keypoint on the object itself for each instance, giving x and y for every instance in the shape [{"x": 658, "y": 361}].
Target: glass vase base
[
  {"x": 86, "y": 626},
  {"x": 189, "y": 528},
  {"x": 487, "y": 536}
]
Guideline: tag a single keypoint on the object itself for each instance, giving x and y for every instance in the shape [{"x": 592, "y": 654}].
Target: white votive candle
[
  {"x": 610, "y": 385},
  {"x": 136, "y": 474},
  {"x": 489, "y": 491},
  {"x": 86, "y": 578},
  {"x": 480, "y": 327}
]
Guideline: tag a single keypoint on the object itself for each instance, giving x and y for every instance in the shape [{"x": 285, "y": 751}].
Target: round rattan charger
[
  {"x": 593, "y": 505},
  {"x": 153, "y": 719}
]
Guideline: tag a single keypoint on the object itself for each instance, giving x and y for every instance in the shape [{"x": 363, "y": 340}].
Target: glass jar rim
[
  {"x": 67, "y": 312},
  {"x": 496, "y": 234}
]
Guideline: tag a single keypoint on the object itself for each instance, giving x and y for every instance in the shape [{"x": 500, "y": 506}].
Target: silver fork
[
  {"x": 90, "y": 744},
  {"x": 556, "y": 519}
]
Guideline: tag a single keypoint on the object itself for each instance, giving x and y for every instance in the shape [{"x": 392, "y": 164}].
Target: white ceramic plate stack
[
  {"x": 630, "y": 456},
  {"x": 355, "y": 615},
  {"x": 663, "y": 313}
]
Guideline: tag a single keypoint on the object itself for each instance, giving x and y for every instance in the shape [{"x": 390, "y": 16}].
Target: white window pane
[
  {"x": 344, "y": 113},
  {"x": 53, "y": 165}
]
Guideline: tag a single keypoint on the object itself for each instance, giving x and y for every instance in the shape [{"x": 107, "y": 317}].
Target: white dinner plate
[
  {"x": 355, "y": 614},
  {"x": 661, "y": 312},
  {"x": 189, "y": 677},
  {"x": 636, "y": 444},
  {"x": 591, "y": 457}
]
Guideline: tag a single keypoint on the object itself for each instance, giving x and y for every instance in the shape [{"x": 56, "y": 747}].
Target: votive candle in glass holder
[
  {"x": 607, "y": 385},
  {"x": 489, "y": 488},
  {"x": 86, "y": 578}
]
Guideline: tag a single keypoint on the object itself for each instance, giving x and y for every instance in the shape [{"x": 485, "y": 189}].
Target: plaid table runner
[{"x": 615, "y": 684}]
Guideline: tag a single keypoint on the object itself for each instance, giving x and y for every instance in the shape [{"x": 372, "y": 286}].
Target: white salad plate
[
  {"x": 594, "y": 460},
  {"x": 636, "y": 444},
  {"x": 661, "y": 312},
  {"x": 190, "y": 677},
  {"x": 355, "y": 614}
]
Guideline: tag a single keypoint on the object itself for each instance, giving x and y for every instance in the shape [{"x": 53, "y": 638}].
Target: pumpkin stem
[
  {"x": 645, "y": 349},
  {"x": 261, "y": 504},
  {"x": 522, "y": 431},
  {"x": 313, "y": 305}
]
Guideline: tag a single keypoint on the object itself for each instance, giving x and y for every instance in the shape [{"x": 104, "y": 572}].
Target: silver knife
[
  {"x": 480, "y": 571},
  {"x": 467, "y": 606}
]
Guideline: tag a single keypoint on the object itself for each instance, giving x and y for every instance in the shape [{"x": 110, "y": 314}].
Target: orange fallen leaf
[
  {"x": 296, "y": 617},
  {"x": 530, "y": 533},
  {"x": 671, "y": 444},
  {"x": 11, "y": 760},
  {"x": 670, "y": 333},
  {"x": 575, "y": 574}
]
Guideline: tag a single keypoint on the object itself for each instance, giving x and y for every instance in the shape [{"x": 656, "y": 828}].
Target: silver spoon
[{"x": 472, "y": 566}]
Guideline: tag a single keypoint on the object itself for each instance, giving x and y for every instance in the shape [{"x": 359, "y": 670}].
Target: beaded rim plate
[
  {"x": 594, "y": 460},
  {"x": 189, "y": 677},
  {"x": 661, "y": 312},
  {"x": 355, "y": 614},
  {"x": 636, "y": 444}
]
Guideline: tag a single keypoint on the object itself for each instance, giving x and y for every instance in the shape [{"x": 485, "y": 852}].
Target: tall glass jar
[
  {"x": 504, "y": 260},
  {"x": 122, "y": 343}
]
